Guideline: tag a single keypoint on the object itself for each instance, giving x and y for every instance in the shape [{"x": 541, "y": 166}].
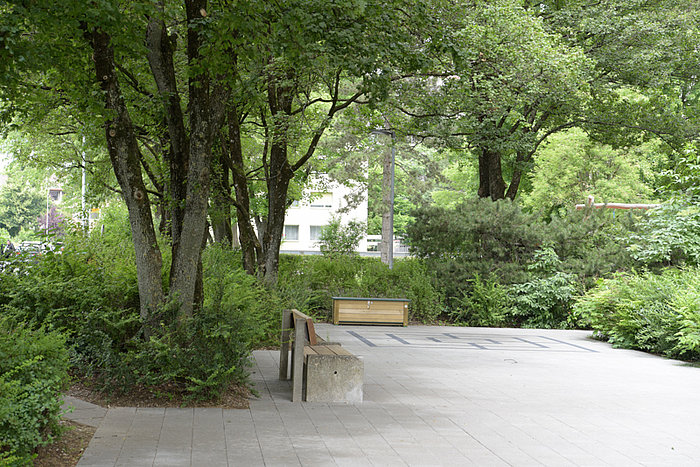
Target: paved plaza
[{"x": 435, "y": 396}]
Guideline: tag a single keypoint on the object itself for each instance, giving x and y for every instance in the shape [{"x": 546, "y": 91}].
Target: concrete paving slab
[{"x": 436, "y": 396}]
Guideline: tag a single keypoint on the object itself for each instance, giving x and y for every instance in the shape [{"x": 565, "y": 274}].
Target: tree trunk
[
  {"x": 387, "y": 244},
  {"x": 250, "y": 245},
  {"x": 279, "y": 173},
  {"x": 124, "y": 155},
  {"x": 520, "y": 160},
  {"x": 221, "y": 205},
  {"x": 277, "y": 187},
  {"x": 187, "y": 256},
  {"x": 491, "y": 183},
  {"x": 160, "y": 58}
]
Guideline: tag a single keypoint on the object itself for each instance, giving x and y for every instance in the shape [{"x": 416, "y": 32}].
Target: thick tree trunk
[
  {"x": 520, "y": 161},
  {"x": 187, "y": 256},
  {"x": 277, "y": 187},
  {"x": 124, "y": 155},
  {"x": 491, "y": 183}
]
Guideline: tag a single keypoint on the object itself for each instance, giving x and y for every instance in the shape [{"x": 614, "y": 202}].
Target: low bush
[
  {"x": 89, "y": 293},
  {"x": 658, "y": 313},
  {"x": 308, "y": 283},
  {"x": 481, "y": 247},
  {"x": 545, "y": 300},
  {"x": 33, "y": 372},
  {"x": 485, "y": 304}
]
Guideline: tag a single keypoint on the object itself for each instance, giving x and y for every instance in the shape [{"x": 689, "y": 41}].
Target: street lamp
[{"x": 388, "y": 218}]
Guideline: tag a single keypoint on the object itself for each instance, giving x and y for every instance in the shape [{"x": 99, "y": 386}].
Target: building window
[
  {"x": 321, "y": 200},
  {"x": 315, "y": 232},
  {"x": 291, "y": 232}
]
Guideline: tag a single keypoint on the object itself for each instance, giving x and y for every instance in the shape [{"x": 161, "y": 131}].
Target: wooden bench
[
  {"x": 351, "y": 310},
  {"x": 321, "y": 371}
]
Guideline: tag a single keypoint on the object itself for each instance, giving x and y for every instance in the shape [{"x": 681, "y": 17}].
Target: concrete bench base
[
  {"x": 320, "y": 371},
  {"x": 332, "y": 374}
]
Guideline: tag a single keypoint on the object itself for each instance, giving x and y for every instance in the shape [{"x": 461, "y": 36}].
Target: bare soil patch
[{"x": 66, "y": 451}]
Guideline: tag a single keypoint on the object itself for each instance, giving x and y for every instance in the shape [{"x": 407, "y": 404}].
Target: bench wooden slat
[
  {"x": 323, "y": 350},
  {"x": 310, "y": 330}
]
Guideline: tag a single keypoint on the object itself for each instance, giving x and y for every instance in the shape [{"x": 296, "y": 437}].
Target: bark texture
[{"x": 125, "y": 158}]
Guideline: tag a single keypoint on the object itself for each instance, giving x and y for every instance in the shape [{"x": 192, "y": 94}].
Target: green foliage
[
  {"x": 485, "y": 304},
  {"x": 590, "y": 243},
  {"x": 492, "y": 239},
  {"x": 340, "y": 240},
  {"x": 308, "y": 283},
  {"x": 484, "y": 250},
  {"x": 228, "y": 290},
  {"x": 544, "y": 301},
  {"x": 657, "y": 313},
  {"x": 33, "y": 372},
  {"x": 669, "y": 235},
  {"x": 89, "y": 293},
  {"x": 571, "y": 166},
  {"x": 21, "y": 200}
]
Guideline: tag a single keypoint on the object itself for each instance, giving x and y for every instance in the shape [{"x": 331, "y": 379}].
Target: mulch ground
[{"x": 67, "y": 450}]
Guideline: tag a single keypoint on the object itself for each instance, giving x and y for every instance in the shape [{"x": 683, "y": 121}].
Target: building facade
[{"x": 320, "y": 202}]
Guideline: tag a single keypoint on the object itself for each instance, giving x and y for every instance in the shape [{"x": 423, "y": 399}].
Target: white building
[{"x": 320, "y": 202}]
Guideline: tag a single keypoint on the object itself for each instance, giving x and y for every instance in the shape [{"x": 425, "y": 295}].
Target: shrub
[
  {"x": 669, "y": 235},
  {"x": 89, "y": 293},
  {"x": 545, "y": 300},
  {"x": 493, "y": 240},
  {"x": 591, "y": 243},
  {"x": 33, "y": 372},
  {"x": 484, "y": 305},
  {"x": 340, "y": 240},
  {"x": 308, "y": 283},
  {"x": 657, "y": 313}
]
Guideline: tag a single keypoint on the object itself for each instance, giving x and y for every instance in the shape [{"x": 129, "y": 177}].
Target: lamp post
[
  {"x": 46, "y": 224},
  {"x": 388, "y": 217}
]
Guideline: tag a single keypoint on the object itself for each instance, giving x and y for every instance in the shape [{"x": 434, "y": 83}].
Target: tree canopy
[{"x": 200, "y": 112}]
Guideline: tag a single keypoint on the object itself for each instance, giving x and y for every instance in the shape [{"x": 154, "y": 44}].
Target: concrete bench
[{"x": 321, "y": 371}]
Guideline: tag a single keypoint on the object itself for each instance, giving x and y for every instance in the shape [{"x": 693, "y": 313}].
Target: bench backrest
[{"x": 309, "y": 322}]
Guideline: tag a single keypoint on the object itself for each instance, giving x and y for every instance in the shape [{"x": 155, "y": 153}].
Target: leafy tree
[
  {"x": 312, "y": 63},
  {"x": 496, "y": 101},
  {"x": 621, "y": 70},
  {"x": 571, "y": 166},
  {"x": 669, "y": 235},
  {"x": 21, "y": 200}
]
